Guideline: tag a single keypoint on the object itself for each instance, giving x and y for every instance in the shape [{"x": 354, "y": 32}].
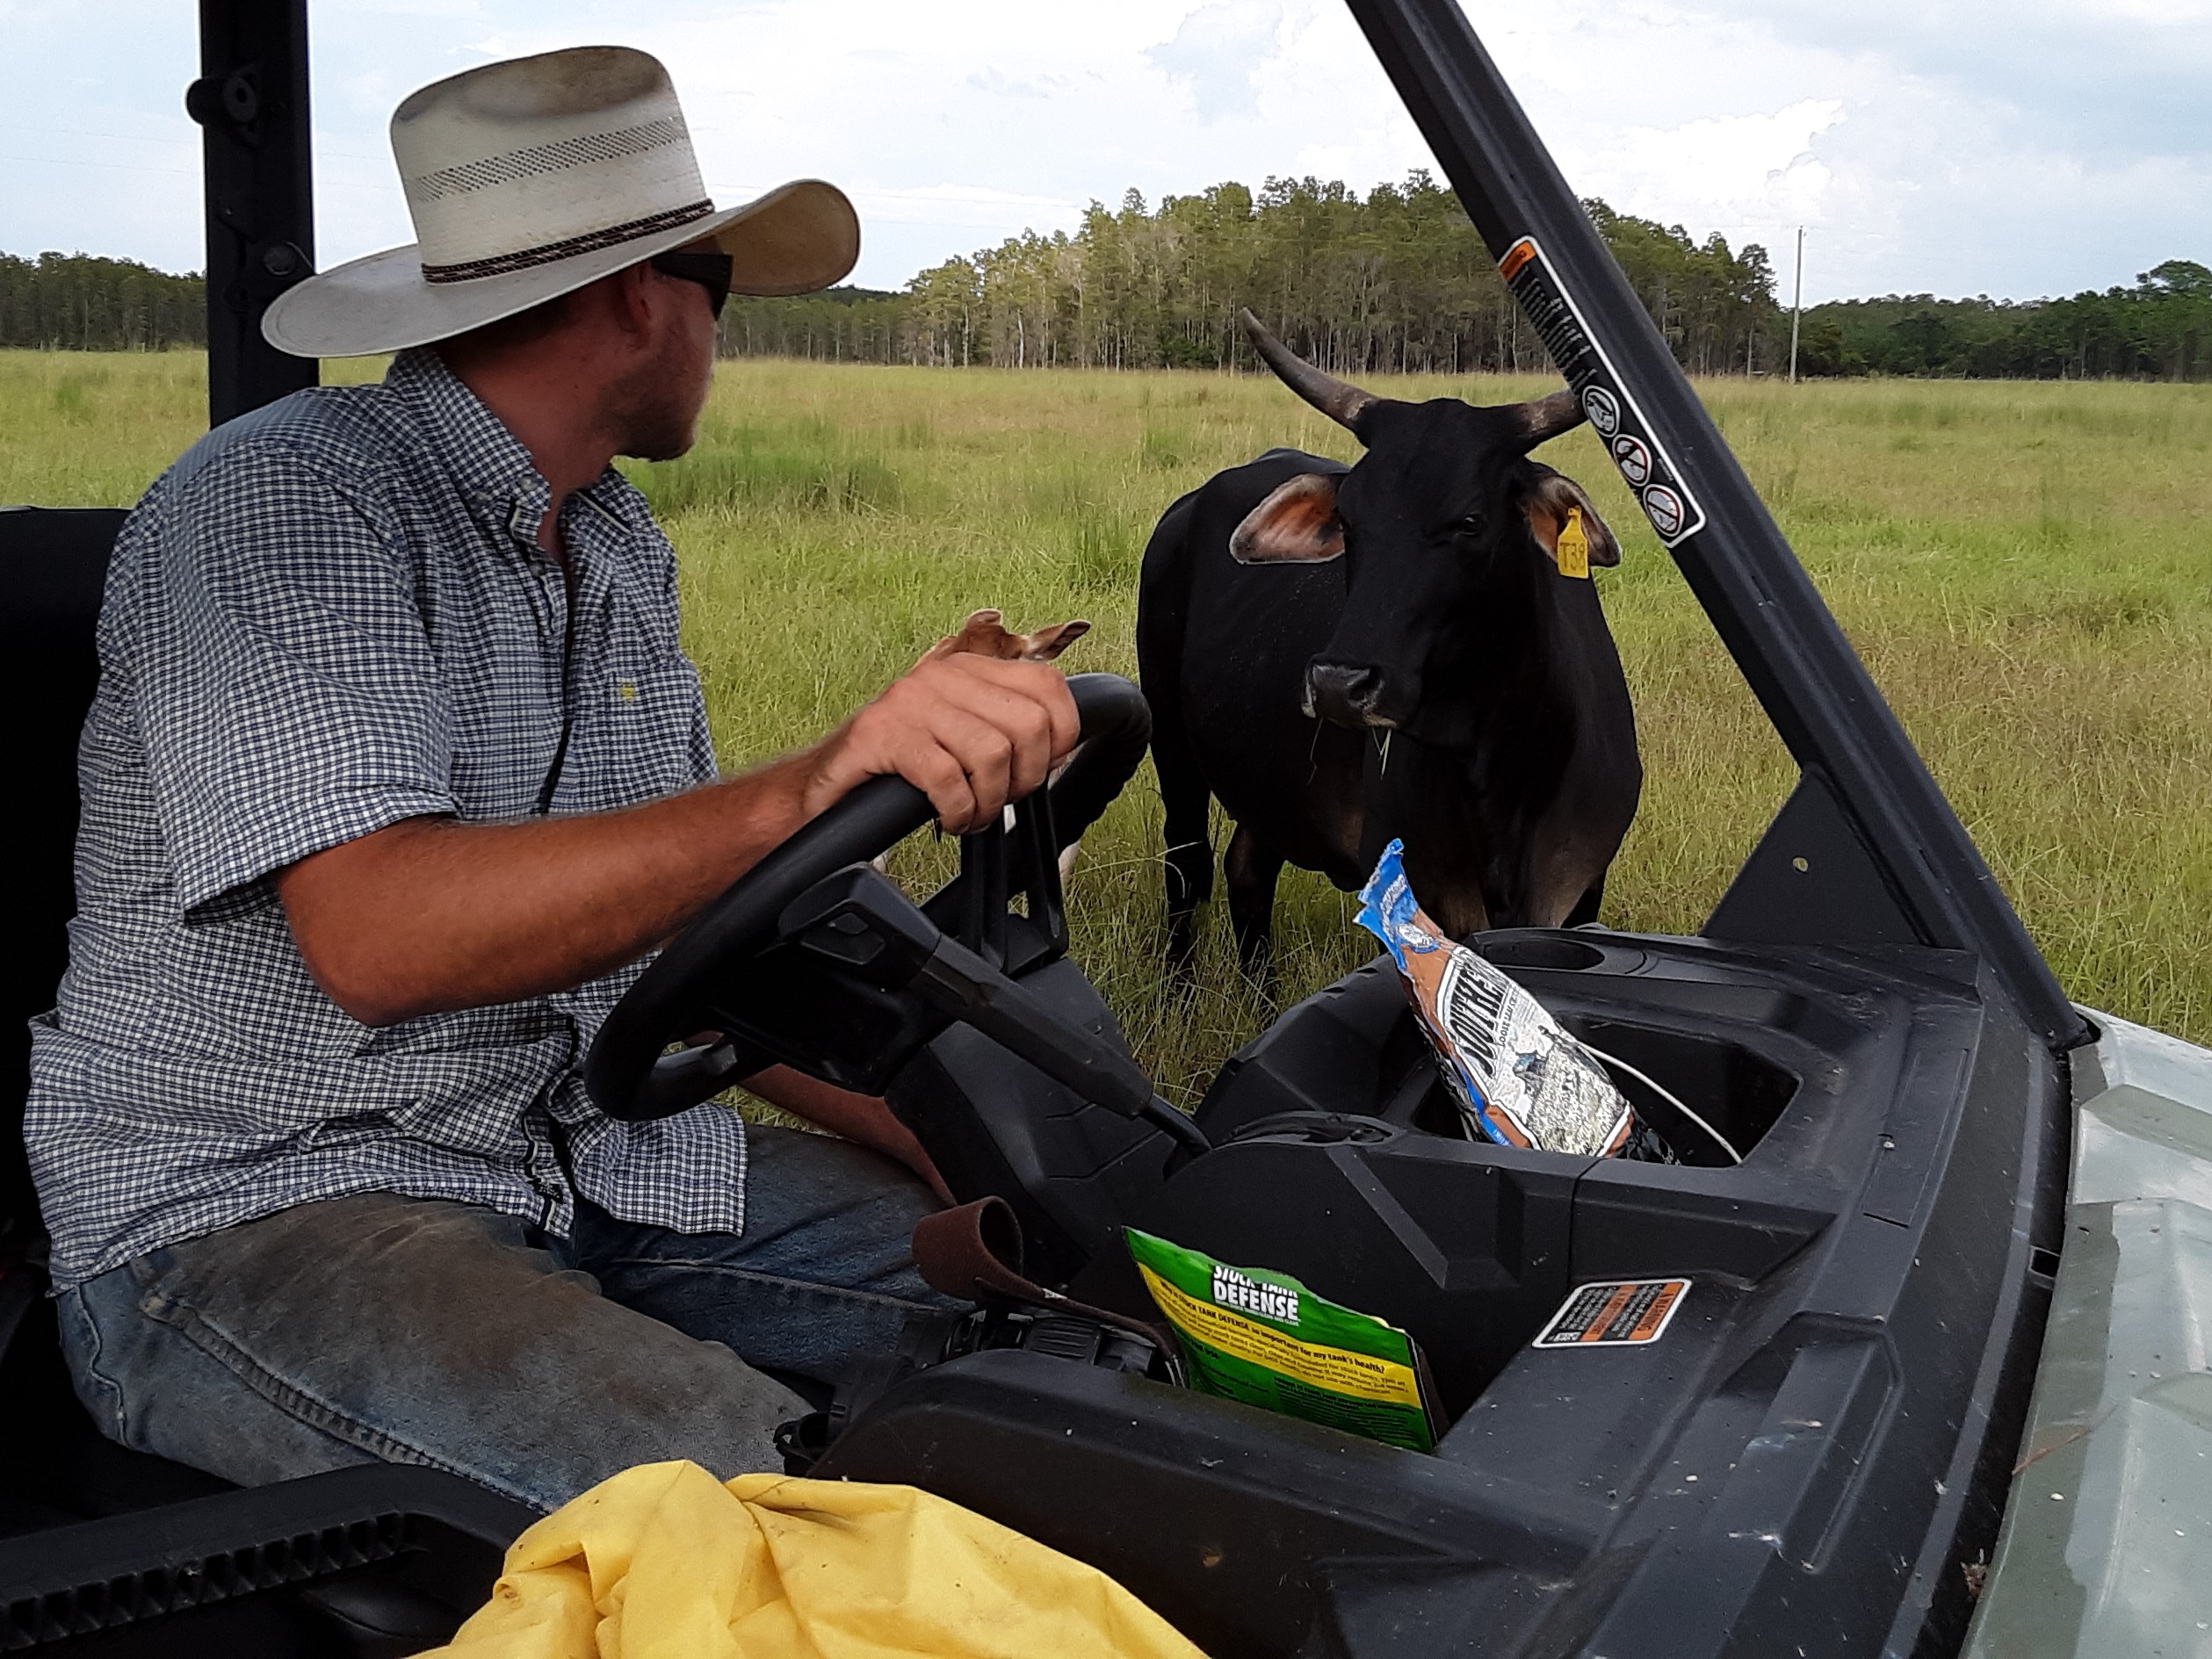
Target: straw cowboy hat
[{"x": 530, "y": 178}]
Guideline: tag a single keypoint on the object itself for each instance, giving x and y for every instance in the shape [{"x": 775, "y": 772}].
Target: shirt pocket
[{"x": 643, "y": 718}]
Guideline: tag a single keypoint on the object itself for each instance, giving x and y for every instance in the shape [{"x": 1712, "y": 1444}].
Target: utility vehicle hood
[{"x": 2106, "y": 1546}]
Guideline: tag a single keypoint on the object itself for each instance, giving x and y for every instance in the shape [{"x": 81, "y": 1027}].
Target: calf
[{"x": 1410, "y": 646}]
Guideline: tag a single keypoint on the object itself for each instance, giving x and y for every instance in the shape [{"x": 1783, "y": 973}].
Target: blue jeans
[{"x": 383, "y": 1327}]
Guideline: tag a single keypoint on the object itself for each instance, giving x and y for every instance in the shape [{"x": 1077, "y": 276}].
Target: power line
[
  {"x": 118, "y": 166},
  {"x": 179, "y": 172},
  {"x": 190, "y": 138},
  {"x": 120, "y": 138}
]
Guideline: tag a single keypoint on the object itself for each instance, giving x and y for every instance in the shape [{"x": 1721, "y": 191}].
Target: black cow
[{"x": 1469, "y": 696}]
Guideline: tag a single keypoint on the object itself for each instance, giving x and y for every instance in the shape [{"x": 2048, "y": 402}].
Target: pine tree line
[
  {"x": 2160, "y": 329},
  {"x": 75, "y": 302},
  {"x": 1398, "y": 280}
]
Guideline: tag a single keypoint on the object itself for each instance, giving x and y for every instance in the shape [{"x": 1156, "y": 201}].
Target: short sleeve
[{"x": 288, "y": 696}]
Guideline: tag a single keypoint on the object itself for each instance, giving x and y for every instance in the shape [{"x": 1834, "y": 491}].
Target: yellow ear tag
[{"x": 1573, "y": 547}]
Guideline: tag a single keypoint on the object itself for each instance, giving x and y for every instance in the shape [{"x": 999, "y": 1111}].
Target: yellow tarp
[{"x": 664, "y": 1563}]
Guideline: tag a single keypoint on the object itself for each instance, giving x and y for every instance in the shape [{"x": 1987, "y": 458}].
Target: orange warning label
[{"x": 1615, "y": 1313}]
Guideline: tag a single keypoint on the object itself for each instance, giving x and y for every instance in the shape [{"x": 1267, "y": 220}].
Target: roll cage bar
[
  {"x": 251, "y": 102},
  {"x": 1866, "y": 851}
]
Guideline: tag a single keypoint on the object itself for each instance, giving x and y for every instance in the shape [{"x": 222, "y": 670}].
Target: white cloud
[
  {"x": 1954, "y": 145},
  {"x": 1760, "y": 167},
  {"x": 1218, "y": 52},
  {"x": 2031, "y": 149}
]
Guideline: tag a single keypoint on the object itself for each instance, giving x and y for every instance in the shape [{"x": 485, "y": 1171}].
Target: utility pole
[{"x": 1797, "y": 304}]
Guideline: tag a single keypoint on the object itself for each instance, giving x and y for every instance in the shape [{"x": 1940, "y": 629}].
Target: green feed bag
[{"x": 1264, "y": 1338}]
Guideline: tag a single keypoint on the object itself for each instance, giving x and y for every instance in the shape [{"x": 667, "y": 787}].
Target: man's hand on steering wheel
[
  {"x": 879, "y": 765},
  {"x": 971, "y": 732}
]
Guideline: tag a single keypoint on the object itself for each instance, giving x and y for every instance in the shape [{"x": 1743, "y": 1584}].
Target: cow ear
[
  {"x": 1296, "y": 525},
  {"x": 1549, "y": 500}
]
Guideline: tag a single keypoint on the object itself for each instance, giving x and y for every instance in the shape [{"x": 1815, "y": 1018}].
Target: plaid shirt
[{"x": 329, "y": 616}]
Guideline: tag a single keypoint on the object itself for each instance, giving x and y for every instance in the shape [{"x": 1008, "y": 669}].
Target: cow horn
[
  {"x": 1340, "y": 399},
  {"x": 1544, "y": 419}
]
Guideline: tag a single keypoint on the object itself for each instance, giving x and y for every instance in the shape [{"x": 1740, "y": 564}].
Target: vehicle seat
[
  {"x": 53, "y": 565},
  {"x": 174, "y": 1561}
]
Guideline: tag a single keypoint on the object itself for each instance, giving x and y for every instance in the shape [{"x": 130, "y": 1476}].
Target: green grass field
[{"x": 2025, "y": 567}]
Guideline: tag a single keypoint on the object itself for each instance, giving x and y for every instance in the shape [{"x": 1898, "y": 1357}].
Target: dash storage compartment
[{"x": 1382, "y": 1202}]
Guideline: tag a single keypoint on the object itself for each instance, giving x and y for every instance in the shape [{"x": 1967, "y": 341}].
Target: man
[{"x": 396, "y": 772}]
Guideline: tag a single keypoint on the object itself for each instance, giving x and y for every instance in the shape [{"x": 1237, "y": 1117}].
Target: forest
[
  {"x": 79, "y": 303},
  {"x": 1395, "y": 280},
  {"x": 2159, "y": 329}
]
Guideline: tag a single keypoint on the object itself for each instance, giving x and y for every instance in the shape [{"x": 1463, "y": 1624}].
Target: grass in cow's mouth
[{"x": 2023, "y": 566}]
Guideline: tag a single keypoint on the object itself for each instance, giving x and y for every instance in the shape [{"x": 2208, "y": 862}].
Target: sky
[{"x": 1957, "y": 147}]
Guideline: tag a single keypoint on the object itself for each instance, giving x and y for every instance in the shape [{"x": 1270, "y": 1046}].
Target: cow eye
[{"x": 1471, "y": 525}]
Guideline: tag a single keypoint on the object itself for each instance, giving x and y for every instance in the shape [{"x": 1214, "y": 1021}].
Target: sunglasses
[{"x": 712, "y": 272}]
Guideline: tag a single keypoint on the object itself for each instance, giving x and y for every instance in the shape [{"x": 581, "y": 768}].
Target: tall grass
[
  {"x": 2024, "y": 567},
  {"x": 804, "y": 463}
]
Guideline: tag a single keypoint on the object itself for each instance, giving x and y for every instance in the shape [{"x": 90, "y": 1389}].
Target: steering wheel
[{"x": 628, "y": 1071}]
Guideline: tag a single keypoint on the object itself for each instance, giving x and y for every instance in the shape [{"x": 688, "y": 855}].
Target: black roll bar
[
  {"x": 251, "y": 104},
  {"x": 1866, "y": 851}
]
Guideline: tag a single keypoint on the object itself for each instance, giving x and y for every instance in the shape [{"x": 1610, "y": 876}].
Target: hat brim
[{"x": 798, "y": 238}]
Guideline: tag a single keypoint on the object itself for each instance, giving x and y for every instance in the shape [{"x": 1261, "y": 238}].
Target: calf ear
[
  {"x": 1296, "y": 525},
  {"x": 1047, "y": 643},
  {"x": 984, "y": 634},
  {"x": 1547, "y": 502}
]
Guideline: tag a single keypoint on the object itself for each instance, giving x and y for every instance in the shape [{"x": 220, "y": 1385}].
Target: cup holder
[{"x": 1539, "y": 950}]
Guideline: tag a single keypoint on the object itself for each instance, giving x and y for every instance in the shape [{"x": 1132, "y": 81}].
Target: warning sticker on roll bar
[
  {"x": 1614, "y": 1313},
  {"x": 1643, "y": 464}
]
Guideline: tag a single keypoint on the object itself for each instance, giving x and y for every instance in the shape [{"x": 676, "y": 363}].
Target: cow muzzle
[{"x": 1344, "y": 694}]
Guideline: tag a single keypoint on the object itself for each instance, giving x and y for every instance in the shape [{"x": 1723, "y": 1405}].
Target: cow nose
[{"x": 1344, "y": 694}]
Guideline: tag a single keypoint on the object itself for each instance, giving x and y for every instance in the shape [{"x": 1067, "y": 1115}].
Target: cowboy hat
[{"x": 530, "y": 178}]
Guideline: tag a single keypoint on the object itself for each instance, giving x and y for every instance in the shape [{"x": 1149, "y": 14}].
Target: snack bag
[
  {"x": 1264, "y": 1338},
  {"x": 1521, "y": 1079}
]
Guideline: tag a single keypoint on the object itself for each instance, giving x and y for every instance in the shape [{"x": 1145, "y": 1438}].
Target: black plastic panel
[
  {"x": 994, "y": 1123},
  {"x": 1802, "y": 1458}
]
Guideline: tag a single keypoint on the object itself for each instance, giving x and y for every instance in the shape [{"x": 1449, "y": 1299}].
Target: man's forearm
[
  {"x": 859, "y": 1118},
  {"x": 470, "y": 914},
  {"x": 430, "y": 914}
]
